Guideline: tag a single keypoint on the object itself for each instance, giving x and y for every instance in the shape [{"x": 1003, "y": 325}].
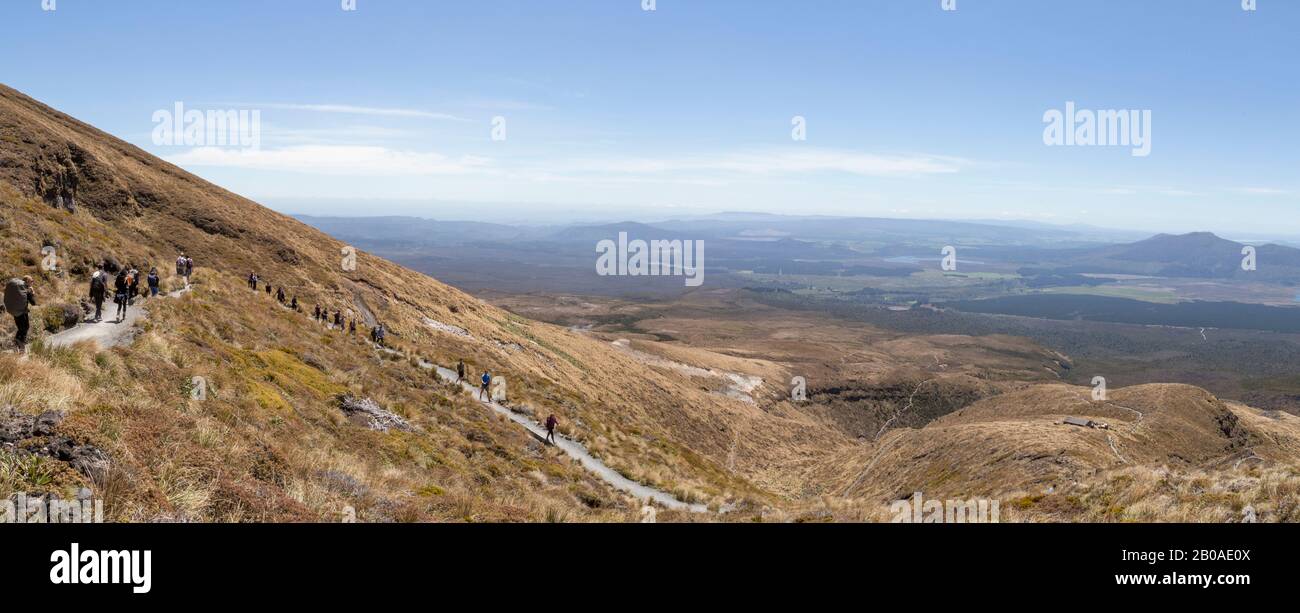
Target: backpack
[
  {"x": 98, "y": 285},
  {"x": 16, "y": 297}
]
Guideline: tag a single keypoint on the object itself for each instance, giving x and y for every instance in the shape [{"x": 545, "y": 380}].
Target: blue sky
[{"x": 612, "y": 111}]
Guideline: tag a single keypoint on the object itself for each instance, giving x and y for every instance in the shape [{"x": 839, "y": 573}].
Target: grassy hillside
[
  {"x": 1165, "y": 453},
  {"x": 132, "y": 208}
]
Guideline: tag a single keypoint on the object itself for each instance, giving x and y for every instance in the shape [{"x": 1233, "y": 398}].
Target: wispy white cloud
[
  {"x": 1144, "y": 190},
  {"x": 350, "y": 160},
  {"x": 713, "y": 170},
  {"x": 346, "y": 135},
  {"x": 348, "y": 109},
  {"x": 546, "y": 177},
  {"x": 506, "y": 104},
  {"x": 1264, "y": 191},
  {"x": 1160, "y": 190},
  {"x": 772, "y": 161},
  {"x": 701, "y": 170}
]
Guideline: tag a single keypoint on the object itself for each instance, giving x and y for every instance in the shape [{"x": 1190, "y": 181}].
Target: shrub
[
  {"x": 60, "y": 317},
  {"x": 20, "y": 471}
]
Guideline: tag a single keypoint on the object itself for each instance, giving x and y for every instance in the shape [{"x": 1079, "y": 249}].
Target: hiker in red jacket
[{"x": 551, "y": 422}]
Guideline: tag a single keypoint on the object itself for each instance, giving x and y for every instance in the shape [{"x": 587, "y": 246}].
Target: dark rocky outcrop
[{"x": 37, "y": 435}]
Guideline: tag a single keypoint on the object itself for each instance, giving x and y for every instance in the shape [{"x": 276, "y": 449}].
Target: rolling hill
[{"x": 1194, "y": 255}]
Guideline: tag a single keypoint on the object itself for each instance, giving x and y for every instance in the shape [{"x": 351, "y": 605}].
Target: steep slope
[{"x": 93, "y": 197}]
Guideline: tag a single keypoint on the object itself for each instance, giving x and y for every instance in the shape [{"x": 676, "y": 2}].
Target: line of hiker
[
  {"x": 20, "y": 296},
  {"x": 377, "y": 336},
  {"x": 124, "y": 287},
  {"x": 336, "y": 321}
]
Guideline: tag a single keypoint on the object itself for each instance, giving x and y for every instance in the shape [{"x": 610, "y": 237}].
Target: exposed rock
[
  {"x": 368, "y": 413},
  {"x": 448, "y": 328},
  {"x": 16, "y": 427},
  {"x": 36, "y": 435},
  {"x": 45, "y": 423},
  {"x": 87, "y": 459}
]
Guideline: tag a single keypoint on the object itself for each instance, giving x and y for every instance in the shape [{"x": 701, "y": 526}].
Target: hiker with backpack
[
  {"x": 338, "y": 320},
  {"x": 98, "y": 291},
  {"x": 551, "y": 422},
  {"x": 487, "y": 383},
  {"x": 180, "y": 268},
  {"x": 380, "y": 332},
  {"x": 189, "y": 268},
  {"x": 352, "y": 326},
  {"x": 153, "y": 281},
  {"x": 19, "y": 297},
  {"x": 120, "y": 287},
  {"x": 460, "y": 371},
  {"x": 252, "y": 281}
]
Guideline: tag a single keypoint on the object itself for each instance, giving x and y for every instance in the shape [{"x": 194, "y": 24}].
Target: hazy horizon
[{"x": 513, "y": 214}]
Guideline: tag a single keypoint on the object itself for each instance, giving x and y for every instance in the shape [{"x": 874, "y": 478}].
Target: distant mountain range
[{"x": 840, "y": 246}]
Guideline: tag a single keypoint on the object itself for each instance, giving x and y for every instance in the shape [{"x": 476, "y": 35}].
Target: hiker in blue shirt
[{"x": 487, "y": 383}]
